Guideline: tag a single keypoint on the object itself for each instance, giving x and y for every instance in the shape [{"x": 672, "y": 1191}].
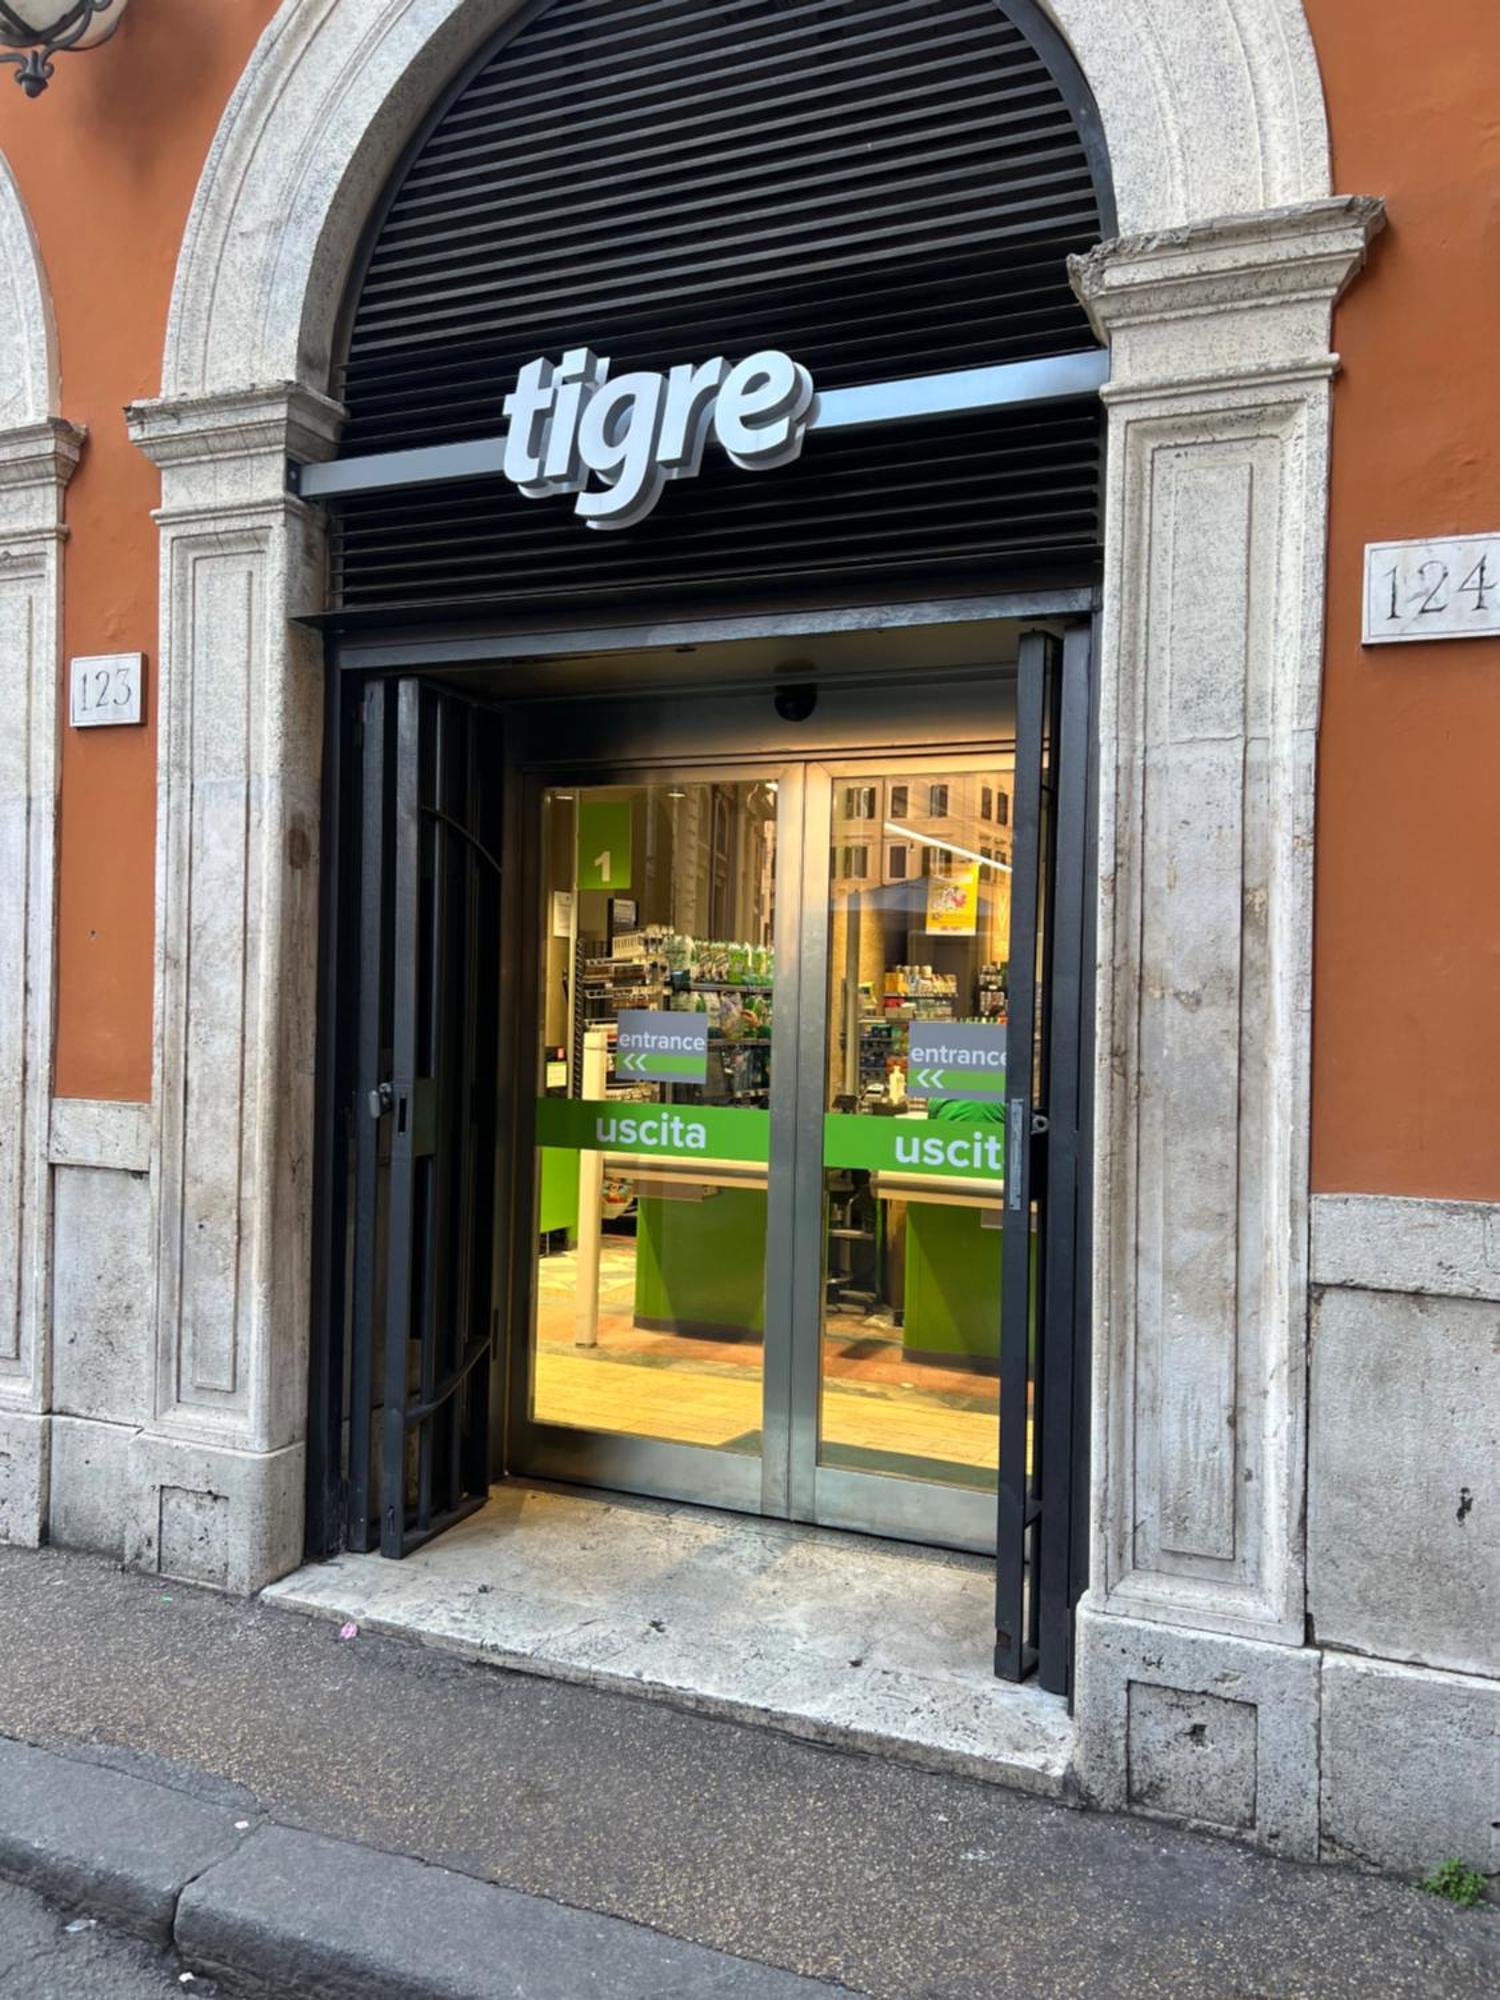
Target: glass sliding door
[
  {"x": 915, "y": 938},
  {"x": 655, "y": 1040},
  {"x": 783, "y": 1248}
]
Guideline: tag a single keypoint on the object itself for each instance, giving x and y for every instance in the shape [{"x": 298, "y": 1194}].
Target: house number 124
[{"x": 1432, "y": 590}]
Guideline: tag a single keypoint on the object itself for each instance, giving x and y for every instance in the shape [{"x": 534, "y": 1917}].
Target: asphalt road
[
  {"x": 892, "y": 1882},
  {"x": 48, "y": 1955}
]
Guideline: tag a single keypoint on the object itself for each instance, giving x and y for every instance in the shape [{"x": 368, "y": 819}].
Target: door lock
[{"x": 381, "y": 1100}]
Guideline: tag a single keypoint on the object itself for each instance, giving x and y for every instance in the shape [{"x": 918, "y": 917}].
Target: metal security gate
[
  {"x": 1044, "y": 1347},
  {"x": 425, "y": 1118}
]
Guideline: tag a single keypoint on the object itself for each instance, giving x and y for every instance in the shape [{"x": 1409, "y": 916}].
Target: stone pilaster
[
  {"x": 215, "y": 1485},
  {"x": 1219, "y": 406},
  {"x": 36, "y": 462}
]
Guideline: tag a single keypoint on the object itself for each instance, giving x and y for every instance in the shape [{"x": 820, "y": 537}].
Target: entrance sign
[
  {"x": 659, "y": 1047},
  {"x": 964, "y": 1062},
  {"x": 1432, "y": 590},
  {"x": 604, "y": 842},
  {"x": 587, "y": 1126},
  {"x": 570, "y": 423}
]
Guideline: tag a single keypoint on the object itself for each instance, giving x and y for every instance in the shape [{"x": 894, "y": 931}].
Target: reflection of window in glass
[
  {"x": 939, "y": 863},
  {"x": 898, "y": 864},
  {"x": 856, "y": 863},
  {"x": 986, "y": 850},
  {"x": 900, "y": 797},
  {"x": 1002, "y": 809},
  {"x": 859, "y": 802},
  {"x": 937, "y": 801},
  {"x": 986, "y": 803}
]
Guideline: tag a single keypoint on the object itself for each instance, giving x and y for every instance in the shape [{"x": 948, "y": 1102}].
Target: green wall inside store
[
  {"x": 953, "y": 1268},
  {"x": 701, "y": 1265},
  {"x": 559, "y": 1191}
]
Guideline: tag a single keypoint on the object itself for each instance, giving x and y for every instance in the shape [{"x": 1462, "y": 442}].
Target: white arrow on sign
[{"x": 929, "y": 1079}]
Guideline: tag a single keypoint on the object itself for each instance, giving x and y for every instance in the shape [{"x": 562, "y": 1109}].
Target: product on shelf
[
  {"x": 994, "y": 996},
  {"x": 728, "y": 980}
]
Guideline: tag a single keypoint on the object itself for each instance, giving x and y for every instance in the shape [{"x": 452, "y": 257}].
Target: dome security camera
[{"x": 796, "y": 704}]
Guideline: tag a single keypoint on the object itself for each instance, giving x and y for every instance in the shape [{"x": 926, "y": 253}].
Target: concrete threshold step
[
  {"x": 838, "y": 1639},
  {"x": 271, "y": 1909}
]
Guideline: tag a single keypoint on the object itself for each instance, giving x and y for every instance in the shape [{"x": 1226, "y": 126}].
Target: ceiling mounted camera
[{"x": 795, "y": 702}]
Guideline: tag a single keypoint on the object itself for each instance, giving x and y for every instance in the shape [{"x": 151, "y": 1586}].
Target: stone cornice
[
  {"x": 1284, "y": 256},
  {"x": 43, "y": 454},
  {"x": 282, "y": 420}
]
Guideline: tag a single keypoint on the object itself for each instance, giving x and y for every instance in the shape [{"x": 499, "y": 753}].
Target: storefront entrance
[
  {"x": 736, "y": 966},
  {"x": 716, "y": 1124}
]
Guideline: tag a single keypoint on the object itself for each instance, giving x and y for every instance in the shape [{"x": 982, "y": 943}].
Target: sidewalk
[
  {"x": 280, "y": 1910},
  {"x": 683, "y": 1833}
]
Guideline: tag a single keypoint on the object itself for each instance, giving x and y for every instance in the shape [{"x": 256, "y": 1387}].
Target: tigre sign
[{"x": 615, "y": 442}]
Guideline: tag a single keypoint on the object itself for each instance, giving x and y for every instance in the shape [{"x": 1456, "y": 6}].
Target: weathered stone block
[
  {"x": 193, "y": 1535},
  {"x": 89, "y": 1501},
  {"x": 101, "y": 1294},
  {"x": 1411, "y": 1767},
  {"x": 1153, "y": 1687},
  {"x": 1191, "y": 1755},
  {"x": 1404, "y": 1478},
  {"x": 211, "y": 1514},
  {"x": 25, "y": 1458}
]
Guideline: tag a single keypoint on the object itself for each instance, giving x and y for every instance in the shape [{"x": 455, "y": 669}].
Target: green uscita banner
[
  {"x": 878, "y": 1145},
  {"x": 674, "y": 1131},
  {"x": 915, "y": 1146}
]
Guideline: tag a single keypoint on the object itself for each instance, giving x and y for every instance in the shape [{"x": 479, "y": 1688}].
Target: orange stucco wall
[
  {"x": 1407, "y": 1079},
  {"x": 1407, "y": 992},
  {"x": 107, "y": 161}
]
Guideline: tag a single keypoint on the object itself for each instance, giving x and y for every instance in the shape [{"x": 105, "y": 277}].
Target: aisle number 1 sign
[{"x": 604, "y": 842}]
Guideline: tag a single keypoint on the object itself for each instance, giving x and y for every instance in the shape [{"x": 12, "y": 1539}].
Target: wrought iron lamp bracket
[{"x": 34, "y": 65}]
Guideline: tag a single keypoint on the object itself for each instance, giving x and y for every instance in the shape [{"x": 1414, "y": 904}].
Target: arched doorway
[{"x": 881, "y": 200}]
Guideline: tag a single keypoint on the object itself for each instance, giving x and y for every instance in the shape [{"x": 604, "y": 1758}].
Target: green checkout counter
[{"x": 700, "y": 1248}]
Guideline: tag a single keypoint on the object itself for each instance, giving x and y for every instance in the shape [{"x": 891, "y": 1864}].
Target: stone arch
[
  {"x": 1210, "y": 108},
  {"x": 28, "y": 368}
]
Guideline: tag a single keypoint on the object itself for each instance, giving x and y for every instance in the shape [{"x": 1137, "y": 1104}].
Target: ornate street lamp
[{"x": 43, "y": 28}]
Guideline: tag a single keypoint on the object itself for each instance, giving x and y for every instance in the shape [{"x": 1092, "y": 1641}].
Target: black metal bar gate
[
  {"x": 1044, "y": 1344},
  {"x": 420, "y": 1117}
]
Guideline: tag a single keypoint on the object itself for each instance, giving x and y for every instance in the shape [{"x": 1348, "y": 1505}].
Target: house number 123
[{"x": 104, "y": 689}]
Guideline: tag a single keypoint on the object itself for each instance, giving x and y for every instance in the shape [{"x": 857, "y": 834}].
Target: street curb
[
  {"x": 86, "y": 1837},
  {"x": 268, "y": 1908}
]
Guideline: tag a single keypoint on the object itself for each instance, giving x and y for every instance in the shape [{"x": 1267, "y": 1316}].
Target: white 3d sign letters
[{"x": 615, "y": 442}]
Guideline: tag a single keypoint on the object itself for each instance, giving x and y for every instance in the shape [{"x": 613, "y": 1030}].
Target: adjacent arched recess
[
  {"x": 37, "y": 455},
  {"x": 1210, "y": 108},
  {"x": 1216, "y": 303},
  {"x": 28, "y": 338}
]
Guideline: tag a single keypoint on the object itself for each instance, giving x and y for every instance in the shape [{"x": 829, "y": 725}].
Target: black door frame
[{"x": 1042, "y": 1567}]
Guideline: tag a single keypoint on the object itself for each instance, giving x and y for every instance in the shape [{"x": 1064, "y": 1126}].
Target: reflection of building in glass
[{"x": 886, "y": 832}]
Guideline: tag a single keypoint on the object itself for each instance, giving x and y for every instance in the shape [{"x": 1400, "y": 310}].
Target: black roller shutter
[{"x": 881, "y": 187}]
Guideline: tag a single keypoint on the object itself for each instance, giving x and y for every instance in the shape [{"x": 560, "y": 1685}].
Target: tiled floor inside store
[
  {"x": 835, "y": 1638},
  {"x": 879, "y": 1402}
]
